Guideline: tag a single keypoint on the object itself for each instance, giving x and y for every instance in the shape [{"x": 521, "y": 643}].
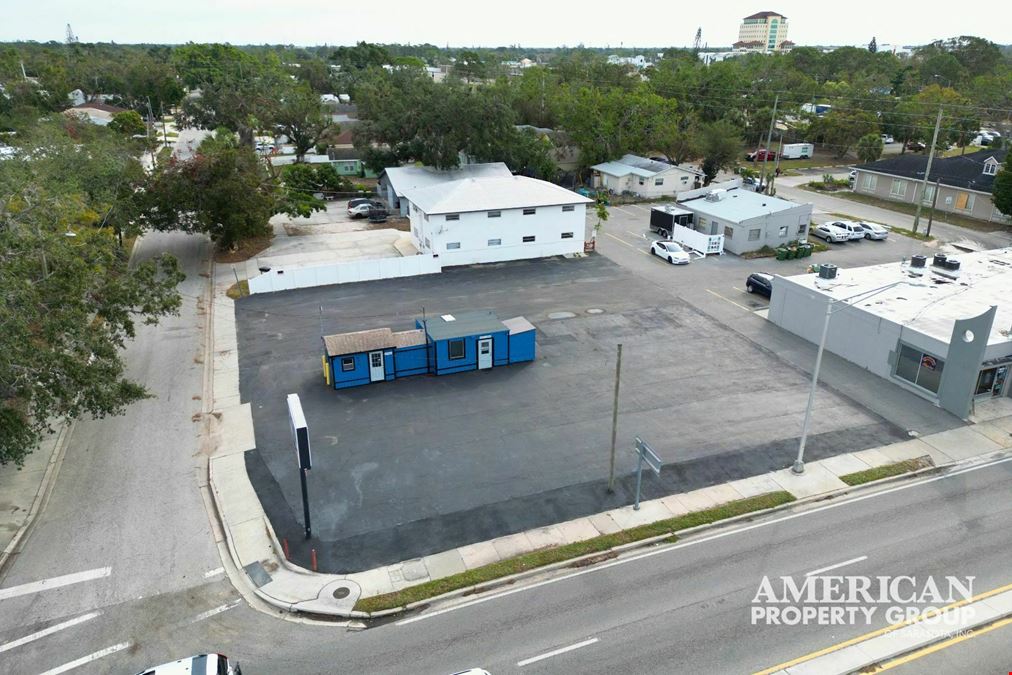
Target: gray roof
[
  {"x": 736, "y": 205},
  {"x": 639, "y": 166},
  {"x": 518, "y": 324},
  {"x": 371, "y": 340},
  {"x": 464, "y": 323},
  {"x": 403, "y": 178},
  {"x": 491, "y": 194}
]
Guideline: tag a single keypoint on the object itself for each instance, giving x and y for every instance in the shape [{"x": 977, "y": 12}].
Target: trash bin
[
  {"x": 792, "y": 253},
  {"x": 806, "y": 250},
  {"x": 781, "y": 254}
]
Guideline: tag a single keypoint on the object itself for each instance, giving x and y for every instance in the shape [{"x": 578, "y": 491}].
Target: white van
[
  {"x": 855, "y": 229},
  {"x": 201, "y": 664}
]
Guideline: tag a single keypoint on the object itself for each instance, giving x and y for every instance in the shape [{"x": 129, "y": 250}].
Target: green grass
[
  {"x": 236, "y": 291},
  {"x": 547, "y": 556},
  {"x": 880, "y": 472},
  {"x": 911, "y": 209},
  {"x": 913, "y": 235}
]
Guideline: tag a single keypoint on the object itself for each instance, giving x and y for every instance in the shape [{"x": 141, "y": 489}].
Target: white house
[
  {"x": 394, "y": 181},
  {"x": 645, "y": 177},
  {"x": 495, "y": 218}
]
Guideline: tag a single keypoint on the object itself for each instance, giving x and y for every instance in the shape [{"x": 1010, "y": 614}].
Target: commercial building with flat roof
[
  {"x": 941, "y": 328},
  {"x": 748, "y": 220}
]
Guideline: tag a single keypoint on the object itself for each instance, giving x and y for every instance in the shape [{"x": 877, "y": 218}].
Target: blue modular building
[{"x": 451, "y": 343}]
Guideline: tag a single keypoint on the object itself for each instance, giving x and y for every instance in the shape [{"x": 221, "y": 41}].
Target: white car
[
  {"x": 887, "y": 139},
  {"x": 873, "y": 230},
  {"x": 201, "y": 664},
  {"x": 855, "y": 230},
  {"x": 362, "y": 209},
  {"x": 830, "y": 233},
  {"x": 670, "y": 251}
]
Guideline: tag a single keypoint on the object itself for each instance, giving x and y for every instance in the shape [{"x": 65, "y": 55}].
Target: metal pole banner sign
[
  {"x": 649, "y": 456},
  {"x": 300, "y": 432}
]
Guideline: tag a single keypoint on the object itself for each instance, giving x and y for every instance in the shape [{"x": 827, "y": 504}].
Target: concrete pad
[
  {"x": 650, "y": 512},
  {"x": 873, "y": 457},
  {"x": 962, "y": 443},
  {"x": 415, "y": 570},
  {"x": 400, "y": 581},
  {"x": 1004, "y": 423},
  {"x": 478, "y": 555},
  {"x": 545, "y": 537},
  {"x": 755, "y": 485},
  {"x": 995, "y": 432},
  {"x": 899, "y": 452},
  {"x": 841, "y": 465},
  {"x": 373, "y": 582},
  {"x": 234, "y": 427},
  {"x": 238, "y": 500},
  {"x": 723, "y": 493},
  {"x": 512, "y": 545},
  {"x": 250, "y": 541},
  {"x": 697, "y": 500},
  {"x": 444, "y": 564},
  {"x": 676, "y": 507},
  {"x": 580, "y": 529},
  {"x": 815, "y": 480},
  {"x": 604, "y": 523}
]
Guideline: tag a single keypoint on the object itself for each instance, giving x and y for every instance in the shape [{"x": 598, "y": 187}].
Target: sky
[{"x": 461, "y": 23}]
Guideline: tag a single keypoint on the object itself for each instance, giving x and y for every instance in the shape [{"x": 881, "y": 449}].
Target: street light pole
[{"x": 614, "y": 420}]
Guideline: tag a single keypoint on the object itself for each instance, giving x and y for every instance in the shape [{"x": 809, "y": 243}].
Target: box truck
[{"x": 797, "y": 151}]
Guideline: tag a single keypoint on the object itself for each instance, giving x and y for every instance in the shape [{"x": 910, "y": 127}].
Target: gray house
[
  {"x": 748, "y": 220},
  {"x": 964, "y": 182}
]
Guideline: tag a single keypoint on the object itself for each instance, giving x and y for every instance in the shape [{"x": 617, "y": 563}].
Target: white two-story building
[{"x": 496, "y": 218}]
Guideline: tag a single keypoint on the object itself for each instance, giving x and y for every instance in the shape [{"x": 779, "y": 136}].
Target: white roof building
[
  {"x": 748, "y": 220},
  {"x": 644, "y": 177},
  {"x": 490, "y": 192},
  {"x": 396, "y": 180}
]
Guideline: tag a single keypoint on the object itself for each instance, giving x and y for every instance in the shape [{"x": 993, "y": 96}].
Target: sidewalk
[{"x": 256, "y": 550}]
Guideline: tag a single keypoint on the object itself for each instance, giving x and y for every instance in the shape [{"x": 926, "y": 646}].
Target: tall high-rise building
[{"x": 763, "y": 32}]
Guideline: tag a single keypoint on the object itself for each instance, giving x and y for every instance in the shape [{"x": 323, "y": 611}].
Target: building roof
[
  {"x": 409, "y": 338},
  {"x": 403, "y": 178},
  {"x": 462, "y": 324},
  {"x": 964, "y": 171},
  {"x": 518, "y": 324},
  {"x": 638, "y": 166},
  {"x": 930, "y": 304},
  {"x": 371, "y": 340},
  {"x": 736, "y": 205},
  {"x": 764, "y": 15},
  {"x": 98, "y": 105},
  {"x": 490, "y": 194}
]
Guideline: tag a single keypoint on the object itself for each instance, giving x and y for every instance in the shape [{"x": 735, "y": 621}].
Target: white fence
[
  {"x": 705, "y": 244},
  {"x": 281, "y": 279}
]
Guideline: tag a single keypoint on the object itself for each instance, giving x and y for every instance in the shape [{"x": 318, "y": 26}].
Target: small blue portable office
[{"x": 450, "y": 343}]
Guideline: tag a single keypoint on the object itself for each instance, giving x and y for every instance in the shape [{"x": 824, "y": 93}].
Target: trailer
[
  {"x": 797, "y": 151},
  {"x": 664, "y": 218}
]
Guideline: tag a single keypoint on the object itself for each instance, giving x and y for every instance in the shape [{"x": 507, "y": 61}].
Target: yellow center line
[
  {"x": 882, "y": 631},
  {"x": 938, "y": 646}
]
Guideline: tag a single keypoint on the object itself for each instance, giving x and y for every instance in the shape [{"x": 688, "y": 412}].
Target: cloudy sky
[{"x": 484, "y": 23}]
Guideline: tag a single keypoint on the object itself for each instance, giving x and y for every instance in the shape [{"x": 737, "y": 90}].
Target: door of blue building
[
  {"x": 376, "y": 372},
  {"x": 484, "y": 353}
]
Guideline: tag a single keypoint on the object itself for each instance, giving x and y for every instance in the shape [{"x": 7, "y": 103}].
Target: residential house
[
  {"x": 492, "y": 218},
  {"x": 95, "y": 112},
  {"x": 644, "y": 177},
  {"x": 964, "y": 182},
  {"x": 395, "y": 181}
]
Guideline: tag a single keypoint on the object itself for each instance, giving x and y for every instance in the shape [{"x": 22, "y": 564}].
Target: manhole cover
[
  {"x": 341, "y": 593},
  {"x": 561, "y": 315},
  {"x": 595, "y": 311}
]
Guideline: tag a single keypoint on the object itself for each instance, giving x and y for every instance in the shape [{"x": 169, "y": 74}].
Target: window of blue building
[
  {"x": 455, "y": 348},
  {"x": 347, "y": 364}
]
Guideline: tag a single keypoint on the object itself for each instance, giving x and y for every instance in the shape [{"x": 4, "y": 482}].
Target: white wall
[
  {"x": 281, "y": 279},
  {"x": 474, "y": 230},
  {"x": 672, "y": 185}
]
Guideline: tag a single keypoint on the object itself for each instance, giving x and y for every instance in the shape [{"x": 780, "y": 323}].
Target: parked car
[
  {"x": 830, "y": 233},
  {"x": 670, "y": 251},
  {"x": 873, "y": 230},
  {"x": 201, "y": 664},
  {"x": 852, "y": 176},
  {"x": 887, "y": 139},
  {"x": 265, "y": 148},
  {"x": 761, "y": 155},
  {"x": 377, "y": 215},
  {"x": 915, "y": 146},
  {"x": 854, "y": 230},
  {"x": 362, "y": 210},
  {"x": 359, "y": 200},
  {"x": 761, "y": 283},
  {"x": 750, "y": 183}
]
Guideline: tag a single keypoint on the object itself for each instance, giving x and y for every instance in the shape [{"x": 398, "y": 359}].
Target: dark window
[
  {"x": 348, "y": 363},
  {"x": 495, "y": 242},
  {"x": 568, "y": 207},
  {"x": 567, "y": 235},
  {"x": 919, "y": 368},
  {"x": 529, "y": 238},
  {"x": 453, "y": 216},
  {"x": 451, "y": 245},
  {"x": 456, "y": 348},
  {"x": 494, "y": 214},
  {"x": 530, "y": 212}
]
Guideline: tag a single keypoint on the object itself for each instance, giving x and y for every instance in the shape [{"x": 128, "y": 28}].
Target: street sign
[
  {"x": 300, "y": 432},
  {"x": 644, "y": 453}
]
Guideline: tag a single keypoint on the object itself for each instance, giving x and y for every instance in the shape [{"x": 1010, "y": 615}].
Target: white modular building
[
  {"x": 495, "y": 218},
  {"x": 748, "y": 220}
]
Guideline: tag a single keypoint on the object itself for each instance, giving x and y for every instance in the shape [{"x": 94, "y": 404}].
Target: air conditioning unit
[{"x": 715, "y": 195}]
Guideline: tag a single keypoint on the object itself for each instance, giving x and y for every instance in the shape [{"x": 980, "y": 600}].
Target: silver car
[
  {"x": 873, "y": 230},
  {"x": 854, "y": 230},
  {"x": 830, "y": 233}
]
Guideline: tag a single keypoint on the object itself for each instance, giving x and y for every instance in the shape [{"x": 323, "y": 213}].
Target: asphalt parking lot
[{"x": 420, "y": 465}]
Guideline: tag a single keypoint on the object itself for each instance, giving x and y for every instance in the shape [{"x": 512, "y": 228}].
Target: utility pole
[
  {"x": 934, "y": 200},
  {"x": 614, "y": 421},
  {"x": 769, "y": 139},
  {"x": 927, "y": 170}
]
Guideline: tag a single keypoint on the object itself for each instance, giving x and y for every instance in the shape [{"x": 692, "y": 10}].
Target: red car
[{"x": 761, "y": 155}]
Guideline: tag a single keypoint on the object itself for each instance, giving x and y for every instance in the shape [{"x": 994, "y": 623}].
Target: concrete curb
[{"x": 41, "y": 496}]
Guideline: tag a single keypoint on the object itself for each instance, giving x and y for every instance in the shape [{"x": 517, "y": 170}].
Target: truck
[
  {"x": 761, "y": 155},
  {"x": 797, "y": 151},
  {"x": 664, "y": 218}
]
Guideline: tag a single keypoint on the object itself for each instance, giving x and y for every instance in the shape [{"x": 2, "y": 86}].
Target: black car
[
  {"x": 378, "y": 215},
  {"x": 761, "y": 283}
]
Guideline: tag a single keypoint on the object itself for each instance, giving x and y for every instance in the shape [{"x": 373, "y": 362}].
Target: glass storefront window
[{"x": 919, "y": 368}]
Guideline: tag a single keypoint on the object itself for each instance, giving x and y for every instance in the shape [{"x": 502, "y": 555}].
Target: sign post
[
  {"x": 300, "y": 435},
  {"x": 644, "y": 453}
]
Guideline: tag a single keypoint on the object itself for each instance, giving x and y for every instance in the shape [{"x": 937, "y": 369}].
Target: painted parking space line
[
  {"x": 619, "y": 208},
  {"x": 217, "y": 610},
  {"x": 728, "y": 300},
  {"x": 625, "y": 243},
  {"x": 48, "y": 631},
  {"x": 213, "y": 573},
  {"x": 54, "y": 582},
  {"x": 556, "y": 652},
  {"x": 84, "y": 660},
  {"x": 640, "y": 207},
  {"x": 837, "y": 565}
]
